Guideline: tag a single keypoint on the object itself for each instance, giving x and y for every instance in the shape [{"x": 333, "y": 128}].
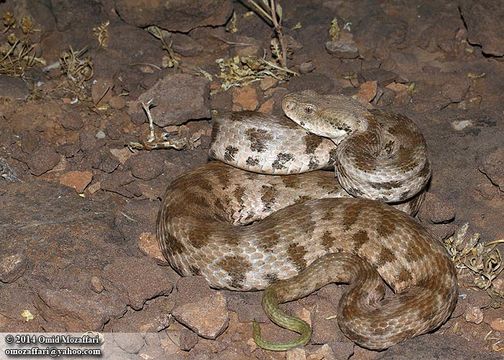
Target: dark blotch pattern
[
  {"x": 251, "y": 161},
  {"x": 236, "y": 267},
  {"x": 328, "y": 240},
  {"x": 296, "y": 253},
  {"x": 230, "y": 152},
  {"x": 312, "y": 142},
  {"x": 268, "y": 194},
  {"x": 281, "y": 160},
  {"x": 359, "y": 239},
  {"x": 258, "y": 139}
]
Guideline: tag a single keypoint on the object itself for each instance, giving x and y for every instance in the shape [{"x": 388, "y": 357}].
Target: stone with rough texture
[
  {"x": 12, "y": 267},
  {"x": 175, "y": 15},
  {"x": 146, "y": 165},
  {"x": 138, "y": 279},
  {"x": 203, "y": 312},
  {"x": 89, "y": 312},
  {"x": 77, "y": 180},
  {"x": 178, "y": 98},
  {"x": 43, "y": 160},
  {"x": 245, "y": 98},
  {"x": 484, "y": 25},
  {"x": 493, "y": 167},
  {"x": 436, "y": 210}
]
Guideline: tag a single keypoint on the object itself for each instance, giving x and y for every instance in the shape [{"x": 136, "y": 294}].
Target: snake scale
[{"x": 288, "y": 227}]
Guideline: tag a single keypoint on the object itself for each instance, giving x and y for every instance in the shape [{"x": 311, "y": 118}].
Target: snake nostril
[{"x": 289, "y": 105}]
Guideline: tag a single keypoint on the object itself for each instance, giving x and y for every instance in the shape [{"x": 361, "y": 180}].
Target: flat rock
[
  {"x": 154, "y": 317},
  {"x": 185, "y": 45},
  {"x": 175, "y": 15},
  {"x": 484, "y": 25},
  {"x": 71, "y": 121},
  {"x": 77, "y": 312},
  {"x": 77, "y": 180},
  {"x": 436, "y": 210},
  {"x": 344, "y": 48},
  {"x": 43, "y": 160},
  {"x": 493, "y": 167},
  {"x": 245, "y": 98},
  {"x": 205, "y": 312},
  {"x": 12, "y": 267},
  {"x": 146, "y": 165},
  {"x": 178, "y": 98},
  {"x": 13, "y": 88},
  {"x": 138, "y": 279}
]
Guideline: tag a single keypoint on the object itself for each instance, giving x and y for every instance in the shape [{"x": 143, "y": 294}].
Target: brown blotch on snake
[{"x": 258, "y": 139}]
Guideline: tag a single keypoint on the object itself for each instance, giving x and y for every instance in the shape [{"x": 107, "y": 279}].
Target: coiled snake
[{"x": 245, "y": 230}]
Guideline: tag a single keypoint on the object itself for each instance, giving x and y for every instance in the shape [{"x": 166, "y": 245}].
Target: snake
[{"x": 266, "y": 214}]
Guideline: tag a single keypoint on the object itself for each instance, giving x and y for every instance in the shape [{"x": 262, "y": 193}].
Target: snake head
[{"x": 332, "y": 116}]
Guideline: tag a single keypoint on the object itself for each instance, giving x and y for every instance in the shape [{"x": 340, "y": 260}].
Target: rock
[
  {"x": 122, "y": 155},
  {"x": 75, "y": 311},
  {"x": 101, "y": 91},
  {"x": 267, "y": 106},
  {"x": 295, "y": 354},
  {"x": 185, "y": 45},
  {"x": 96, "y": 284},
  {"x": 382, "y": 76},
  {"x": 482, "y": 19},
  {"x": 117, "y": 102},
  {"x": 104, "y": 161},
  {"x": 187, "y": 339},
  {"x": 138, "y": 280},
  {"x": 247, "y": 306},
  {"x": 43, "y": 160},
  {"x": 497, "y": 324},
  {"x": 473, "y": 314},
  {"x": 344, "y": 47},
  {"x": 154, "y": 317},
  {"x": 323, "y": 353},
  {"x": 267, "y": 83},
  {"x": 199, "y": 308},
  {"x": 244, "y": 98},
  {"x": 71, "y": 121},
  {"x": 175, "y": 15},
  {"x": 77, "y": 180},
  {"x": 12, "y": 267},
  {"x": 493, "y": 167},
  {"x": 100, "y": 134},
  {"x": 253, "y": 48},
  {"x": 13, "y": 88},
  {"x": 367, "y": 92},
  {"x": 306, "y": 67},
  {"x": 178, "y": 98},
  {"x": 146, "y": 165},
  {"x": 130, "y": 343},
  {"x": 137, "y": 218},
  {"x": 343, "y": 350},
  {"x": 117, "y": 182},
  {"x": 436, "y": 210},
  {"x": 148, "y": 244},
  {"x": 313, "y": 81}
]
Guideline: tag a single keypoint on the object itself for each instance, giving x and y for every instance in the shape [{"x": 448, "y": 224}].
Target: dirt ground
[{"x": 78, "y": 207}]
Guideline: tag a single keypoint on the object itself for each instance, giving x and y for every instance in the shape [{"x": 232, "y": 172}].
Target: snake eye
[{"x": 308, "y": 109}]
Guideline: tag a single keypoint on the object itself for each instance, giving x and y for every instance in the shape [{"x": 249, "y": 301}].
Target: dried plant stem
[
  {"x": 279, "y": 32},
  {"x": 275, "y": 19}
]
